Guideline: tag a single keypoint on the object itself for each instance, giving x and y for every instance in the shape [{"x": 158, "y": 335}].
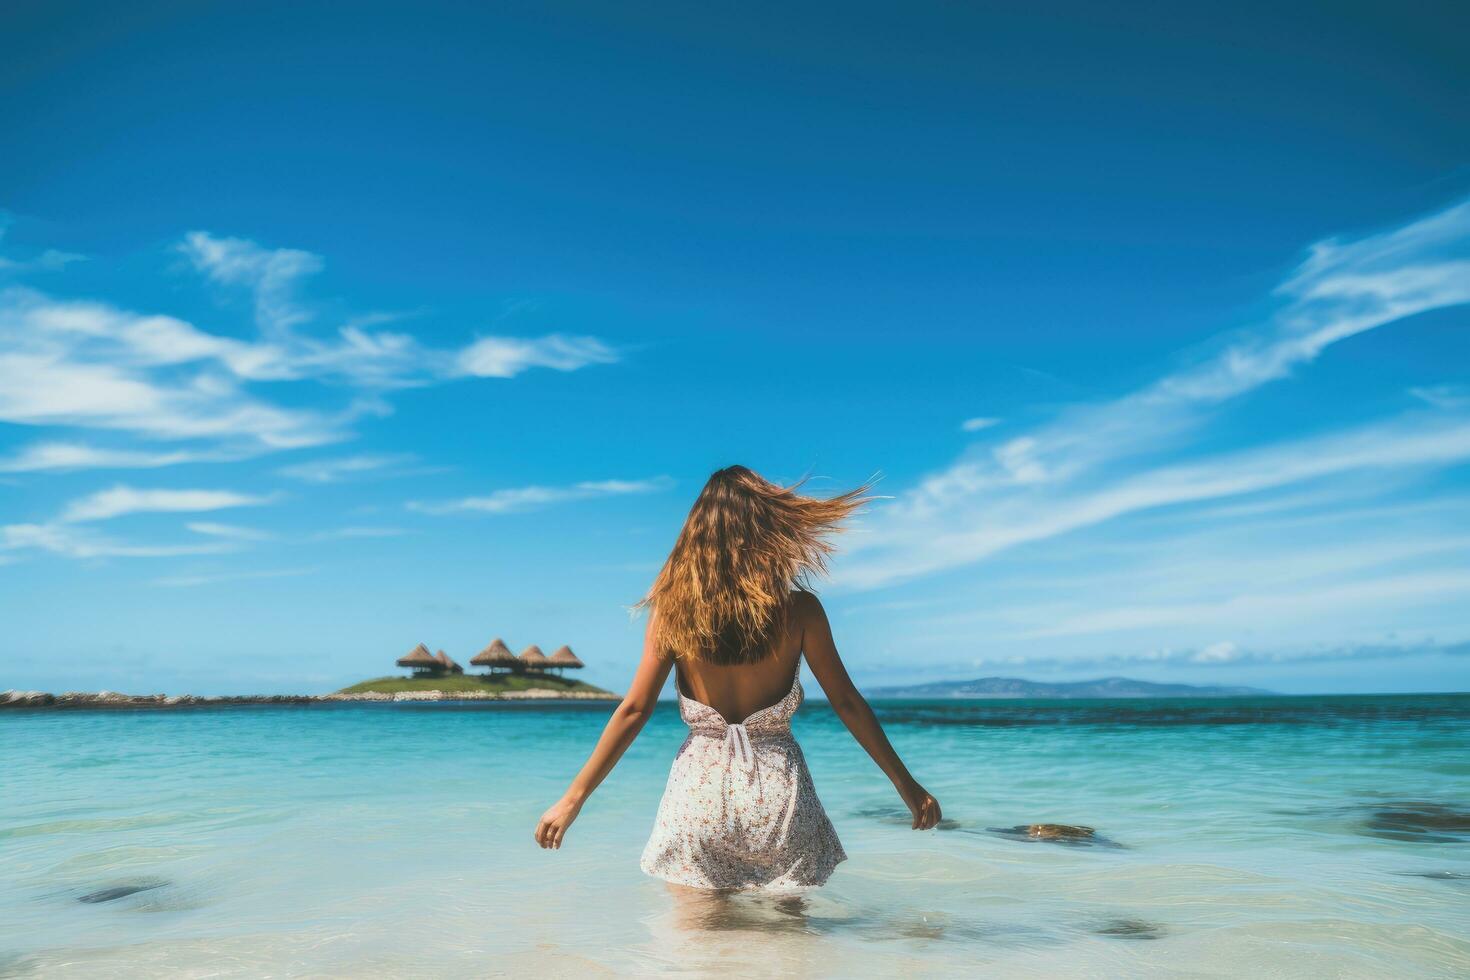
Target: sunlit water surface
[{"x": 1249, "y": 837}]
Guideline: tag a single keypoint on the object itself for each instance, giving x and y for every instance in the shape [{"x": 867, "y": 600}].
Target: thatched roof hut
[
  {"x": 564, "y": 657},
  {"x": 497, "y": 654},
  {"x": 448, "y": 663},
  {"x": 533, "y": 659},
  {"x": 419, "y": 658}
]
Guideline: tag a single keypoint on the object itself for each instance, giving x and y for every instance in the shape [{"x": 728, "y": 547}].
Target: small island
[
  {"x": 437, "y": 677},
  {"x": 532, "y": 676}
]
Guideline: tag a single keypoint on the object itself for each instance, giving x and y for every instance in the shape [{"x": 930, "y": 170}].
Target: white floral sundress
[{"x": 740, "y": 810}]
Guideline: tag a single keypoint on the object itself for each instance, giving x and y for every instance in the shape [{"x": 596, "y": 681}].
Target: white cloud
[
  {"x": 377, "y": 358},
  {"x": 334, "y": 470},
  {"x": 63, "y": 537},
  {"x": 62, "y": 456},
  {"x": 957, "y": 537},
  {"x": 516, "y": 499},
  {"x": 1267, "y": 609},
  {"x": 51, "y": 260},
  {"x": 137, "y": 340},
  {"x": 1331, "y": 575},
  {"x": 1341, "y": 290},
  {"x": 1443, "y": 396},
  {"x": 1018, "y": 459},
  {"x": 119, "y": 500},
  {"x": 1222, "y": 652},
  {"x": 73, "y": 542},
  {"x": 977, "y": 424},
  {"x": 215, "y": 578},
  {"x": 231, "y": 531},
  {"x": 92, "y": 364},
  {"x": 506, "y": 357},
  {"x": 1226, "y": 655},
  {"x": 340, "y": 533},
  {"x": 1096, "y": 462},
  {"x": 271, "y": 274}
]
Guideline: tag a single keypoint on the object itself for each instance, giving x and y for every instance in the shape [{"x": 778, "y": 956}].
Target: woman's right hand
[
  {"x": 553, "y": 824},
  {"x": 924, "y": 807}
]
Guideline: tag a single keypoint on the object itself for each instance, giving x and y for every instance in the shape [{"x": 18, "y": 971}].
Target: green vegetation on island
[{"x": 472, "y": 683}]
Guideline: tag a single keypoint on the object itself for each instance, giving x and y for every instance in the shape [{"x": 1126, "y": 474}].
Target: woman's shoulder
[{"x": 805, "y": 604}]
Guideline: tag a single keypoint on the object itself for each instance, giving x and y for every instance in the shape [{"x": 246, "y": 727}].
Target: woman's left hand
[
  {"x": 555, "y": 821},
  {"x": 924, "y": 807}
]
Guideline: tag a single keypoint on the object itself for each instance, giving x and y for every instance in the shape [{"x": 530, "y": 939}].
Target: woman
[{"x": 730, "y": 614}]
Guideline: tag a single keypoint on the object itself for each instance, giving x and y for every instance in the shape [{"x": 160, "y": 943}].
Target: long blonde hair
[{"x": 723, "y": 594}]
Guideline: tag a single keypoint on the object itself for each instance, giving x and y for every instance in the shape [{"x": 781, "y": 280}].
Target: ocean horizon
[{"x": 1278, "y": 835}]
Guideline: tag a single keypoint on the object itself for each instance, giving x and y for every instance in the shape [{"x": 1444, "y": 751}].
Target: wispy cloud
[
  {"x": 1265, "y": 609},
  {"x": 1328, "y": 575},
  {"x": 1443, "y": 396},
  {"x": 348, "y": 533},
  {"x": 93, "y": 364},
  {"x": 216, "y": 578},
  {"x": 233, "y": 532},
  {"x": 336, "y": 470},
  {"x": 119, "y": 500},
  {"x": 69, "y": 541},
  {"x": 271, "y": 275},
  {"x": 506, "y": 357},
  {"x": 68, "y": 535},
  {"x": 515, "y": 499},
  {"x": 1223, "y": 653},
  {"x": 358, "y": 352},
  {"x": 50, "y": 260},
  {"x": 65, "y": 456},
  {"x": 61, "y": 536},
  {"x": 979, "y": 423},
  {"x": 1098, "y": 462}
]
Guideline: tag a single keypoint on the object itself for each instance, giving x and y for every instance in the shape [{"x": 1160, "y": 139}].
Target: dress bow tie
[{"x": 737, "y": 745}]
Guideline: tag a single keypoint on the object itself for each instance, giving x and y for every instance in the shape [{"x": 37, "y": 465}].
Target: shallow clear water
[{"x": 1281, "y": 837}]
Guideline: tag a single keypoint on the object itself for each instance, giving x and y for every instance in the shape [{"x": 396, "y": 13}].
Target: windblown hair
[{"x": 723, "y": 596}]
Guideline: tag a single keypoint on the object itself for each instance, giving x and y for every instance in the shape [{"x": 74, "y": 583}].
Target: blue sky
[{"x": 322, "y": 335}]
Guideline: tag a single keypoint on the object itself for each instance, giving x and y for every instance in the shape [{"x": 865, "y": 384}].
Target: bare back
[{"x": 739, "y": 691}]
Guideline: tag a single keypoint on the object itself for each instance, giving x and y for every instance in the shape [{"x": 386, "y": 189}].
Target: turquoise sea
[{"x": 1243, "y": 837}]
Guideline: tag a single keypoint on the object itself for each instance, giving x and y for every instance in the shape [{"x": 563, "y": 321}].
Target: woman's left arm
[{"x": 622, "y": 728}]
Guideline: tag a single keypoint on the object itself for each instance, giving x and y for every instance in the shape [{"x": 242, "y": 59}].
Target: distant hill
[{"x": 1104, "y": 687}]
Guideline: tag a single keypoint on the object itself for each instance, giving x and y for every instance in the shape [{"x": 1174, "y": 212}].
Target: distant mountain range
[{"x": 1104, "y": 687}]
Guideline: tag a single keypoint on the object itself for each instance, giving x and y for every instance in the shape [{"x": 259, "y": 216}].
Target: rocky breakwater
[{"x": 112, "y": 699}]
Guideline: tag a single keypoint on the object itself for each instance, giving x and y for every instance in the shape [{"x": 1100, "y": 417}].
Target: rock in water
[
  {"x": 1058, "y": 831},
  {"x": 1055, "y": 833},
  {"x": 115, "y": 892},
  {"x": 1418, "y": 820},
  {"x": 1130, "y": 929}
]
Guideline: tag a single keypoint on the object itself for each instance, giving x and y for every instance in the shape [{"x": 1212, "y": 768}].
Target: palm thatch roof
[
  {"x": 533, "y": 657},
  {"x": 497, "y": 654},
  {"x": 564, "y": 657},
  {"x": 448, "y": 662},
  {"x": 419, "y": 656}
]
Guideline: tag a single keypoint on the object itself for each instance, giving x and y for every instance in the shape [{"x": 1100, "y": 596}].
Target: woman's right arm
[
  {"x": 856, "y": 714},
  {"x": 622, "y": 728}
]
